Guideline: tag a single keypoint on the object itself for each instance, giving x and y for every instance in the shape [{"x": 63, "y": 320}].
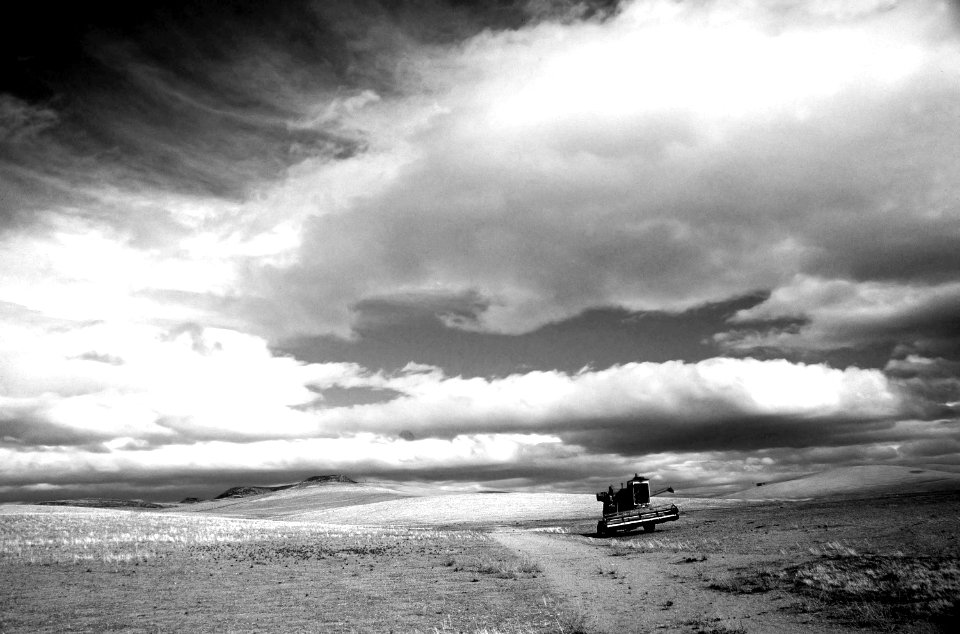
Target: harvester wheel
[
  {"x": 601, "y": 528},
  {"x": 649, "y": 528}
]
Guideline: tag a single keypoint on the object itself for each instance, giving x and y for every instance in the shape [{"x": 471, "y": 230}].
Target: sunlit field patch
[
  {"x": 188, "y": 572},
  {"x": 110, "y": 536}
]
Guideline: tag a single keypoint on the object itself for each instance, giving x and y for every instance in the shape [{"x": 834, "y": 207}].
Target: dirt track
[{"x": 648, "y": 592}]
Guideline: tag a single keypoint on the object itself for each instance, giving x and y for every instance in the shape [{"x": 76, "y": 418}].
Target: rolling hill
[
  {"x": 855, "y": 481},
  {"x": 287, "y": 501},
  {"x": 341, "y": 501}
]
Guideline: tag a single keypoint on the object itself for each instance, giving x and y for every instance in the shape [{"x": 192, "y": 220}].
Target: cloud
[
  {"x": 20, "y": 122},
  {"x": 654, "y": 157},
  {"x": 831, "y": 313},
  {"x": 166, "y": 398},
  {"x": 208, "y": 188},
  {"x": 666, "y": 157},
  {"x": 644, "y": 407},
  {"x": 160, "y": 387}
]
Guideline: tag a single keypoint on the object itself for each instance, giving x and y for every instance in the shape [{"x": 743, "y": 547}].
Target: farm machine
[{"x": 629, "y": 508}]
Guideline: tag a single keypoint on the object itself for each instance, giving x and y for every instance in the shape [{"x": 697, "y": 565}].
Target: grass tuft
[
  {"x": 628, "y": 546},
  {"x": 505, "y": 567},
  {"x": 747, "y": 581},
  {"x": 570, "y": 618},
  {"x": 714, "y": 626}
]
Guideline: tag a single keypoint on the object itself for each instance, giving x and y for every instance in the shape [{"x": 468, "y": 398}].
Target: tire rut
[
  {"x": 649, "y": 592},
  {"x": 590, "y": 580}
]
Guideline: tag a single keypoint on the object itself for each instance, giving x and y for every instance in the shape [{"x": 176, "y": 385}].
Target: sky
[{"x": 476, "y": 245}]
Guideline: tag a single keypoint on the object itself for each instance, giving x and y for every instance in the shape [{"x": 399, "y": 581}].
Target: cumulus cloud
[
  {"x": 161, "y": 387},
  {"x": 666, "y": 157},
  {"x": 195, "y": 383},
  {"x": 195, "y": 400},
  {"x": 640, "y": 408}
]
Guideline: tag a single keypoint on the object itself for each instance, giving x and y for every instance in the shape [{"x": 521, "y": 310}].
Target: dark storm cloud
[
  {"x": 187, "y": 96},
  {"x": 651, "y": 431},
  {"x": 931, "y": 449},
  {"x": 200, "y": 97},
  {"x": 742, "y": 433},
  {"x": 933, "y": 382},
  {"x": 897, "y": 251}
]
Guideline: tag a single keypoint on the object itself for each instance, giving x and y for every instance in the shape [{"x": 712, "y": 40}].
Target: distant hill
[
  {"x": 325, "y": 479},
  {"x": 246, "y": 491},
  {"x": 102, "y": 503},
  {"x": 482, "y": 508},
  {"x": 289, "y": 500},
  {"x": 338, "y": 499},
  {"x": 853, "y": 481}
]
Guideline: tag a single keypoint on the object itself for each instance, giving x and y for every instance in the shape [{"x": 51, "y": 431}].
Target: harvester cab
[{"x": 630, "y": 508}]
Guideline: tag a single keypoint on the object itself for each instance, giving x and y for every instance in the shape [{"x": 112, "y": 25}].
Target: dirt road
[{"x": 649, "y": 592}]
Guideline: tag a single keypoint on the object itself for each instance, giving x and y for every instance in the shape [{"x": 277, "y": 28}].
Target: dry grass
[
  {"x": 291, "y": 503},
  {"x": 570, "y": 618},
  {"x": 756, "y": 579},
  {"x": 562, "y": 618},
  {"x": 607, "y": 571},
  {"x": 467, "y": 508},
  {"x": 123, "y": 537},
  {"x": 882, "y": 590},
  {"x": 97, "y": 570},
  {"x": 878, "y": 591},
  {"x": 714, "y": 626},
  {"x": 498, "y": 564},
  {"x": 698, "y": 546}
]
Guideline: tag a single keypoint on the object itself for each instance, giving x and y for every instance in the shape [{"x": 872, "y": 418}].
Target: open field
[
  {"x": 376, "y": 505},
  {"x": 291, "y": 503},
  {"x": 105, "y": 570},
  {"x": 482, "y": 563}
]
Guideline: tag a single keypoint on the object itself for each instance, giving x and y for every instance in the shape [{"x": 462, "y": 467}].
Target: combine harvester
[{"x": 629, "y": 508}]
